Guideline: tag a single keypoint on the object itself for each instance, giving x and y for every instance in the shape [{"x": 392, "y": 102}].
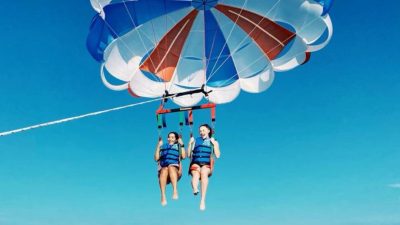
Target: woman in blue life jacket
[
  {"x": 202, "y": 151},
  {"x": 169, "y": 157}
]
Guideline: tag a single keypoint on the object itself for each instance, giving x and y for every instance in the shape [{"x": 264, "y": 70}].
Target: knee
[
  {"x": 195, "y": 173},
  {"x": 164, "y": 171},
  {"x": 172, "y": 171},
  {"x": 204, "y": 174}
]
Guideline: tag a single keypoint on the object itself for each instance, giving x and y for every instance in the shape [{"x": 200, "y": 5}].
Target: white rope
[
  {"x": 262, "y": 56},
  {"x": 227, "y": 39},
  {"x": 140, "y": 36},
  {"x": 242, "y": 41},
  {"x": 76, "y": 117},
  {"x": 109, "y": 26}
]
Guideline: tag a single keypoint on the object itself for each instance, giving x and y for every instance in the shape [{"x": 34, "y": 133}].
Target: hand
[
  {"x": 213, "y": 141},
  {"x": 180, "y": 141},
  {"x": 160, "y": 142},
  {"x": 191, "y": 140}
]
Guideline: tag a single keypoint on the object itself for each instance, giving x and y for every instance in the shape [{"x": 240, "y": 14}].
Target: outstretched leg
[
  {"x": 173, "y": 176},
  {"x": 204, "y": 173},
  {"x": 163, "y": 183},
  {"x": 195, "y": 171}
]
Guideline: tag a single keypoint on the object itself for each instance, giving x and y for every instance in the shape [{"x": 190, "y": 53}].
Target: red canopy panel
[
  {"x": 269, "y": 36},
  {"x": 164, "y": 58}
]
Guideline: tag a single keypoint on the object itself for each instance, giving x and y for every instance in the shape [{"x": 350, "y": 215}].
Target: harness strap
[
  {"x": 164, "y": 121},
  {"x": 159, "y": 121}
]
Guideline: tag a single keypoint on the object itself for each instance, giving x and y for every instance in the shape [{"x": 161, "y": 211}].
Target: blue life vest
[
  {"x": 202, "y": 151},
  {"x": 169, "y": 154}
]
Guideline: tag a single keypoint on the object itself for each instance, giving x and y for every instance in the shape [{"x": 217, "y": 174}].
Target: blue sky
[{"x": 320, "y": 146}]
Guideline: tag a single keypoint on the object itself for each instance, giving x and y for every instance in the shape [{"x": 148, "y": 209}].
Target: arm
[
  {"x": 216, "y": 148},
  {"x": 157, "y": 153},
  {"x": 182, "y": 151},
  {"x": 190, "y": 147}
]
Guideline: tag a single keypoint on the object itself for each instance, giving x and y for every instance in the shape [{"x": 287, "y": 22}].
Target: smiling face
[
  {"x": 204, "y": 132},
  {"x": 171, "y": 138}
]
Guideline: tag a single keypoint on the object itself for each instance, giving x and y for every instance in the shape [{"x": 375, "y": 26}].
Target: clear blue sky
[{"x": 321, "y": 146}]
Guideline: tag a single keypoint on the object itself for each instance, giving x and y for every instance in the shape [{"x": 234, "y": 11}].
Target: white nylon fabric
[
  {"x": 190, "y": 69},
  {"x": 145, "y": 87},
  {"x": 98, "y": 5},
  {"x": 329, "y": 26},
  {"x": 253, "y": 68},
  {"x": 224, "y": 94},
  {"x": 108, "y": 84},
  {"x": 258, "y": 83},
  {"x": 118, "y": 66},
  {"x": 303, "y": 15},
  {"x": 125, "y": 54},
  {"x": 122, "y": 57},
  {"x": 186, "y": 100},
  {"x": 292, "y": 58}
]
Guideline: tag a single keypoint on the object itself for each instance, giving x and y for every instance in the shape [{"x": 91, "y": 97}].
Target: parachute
[{"x": 154, "y": 47}]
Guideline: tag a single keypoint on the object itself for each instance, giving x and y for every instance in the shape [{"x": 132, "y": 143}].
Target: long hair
[{"x": 176, "y": 136}]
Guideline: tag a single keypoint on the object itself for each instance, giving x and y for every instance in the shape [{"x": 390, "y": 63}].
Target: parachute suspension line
[
  {"x": 262, "y": 56},
  {"x": 112, "y": 29},
  {"x": 204, "y": 45},
  {"x": 181, "y": 122},
  {"x": 155, "y": 41},
  {"x": 226, "y": 41},
  {"x": 159, "y": 126},
  {"x": 209, "y": 58},
  {"x": 159, "y": 134},
  {"x": 77, "y": 117},
  {"x": 166, "y": 47},
  {"x": 140, "y": 36},
  {"x": 154, "y": 36},
  {"x": 244, "y": 39},
  {"x": 212, "y": 111},
  {"x": 209, "y": 55},
  {"x": 212, "y": 116},
  {"x": 248, "y": 66},
  {"x": 190, "y": 121},
  {"x": 174, "y": 76},
  {"x": 119, "y": 38}
]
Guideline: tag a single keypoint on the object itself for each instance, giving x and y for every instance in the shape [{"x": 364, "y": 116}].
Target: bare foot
[
  {"x": 175, "y": 196},
  {"x": 163, "y": 202},
  {"x": 202, "y": 206}
]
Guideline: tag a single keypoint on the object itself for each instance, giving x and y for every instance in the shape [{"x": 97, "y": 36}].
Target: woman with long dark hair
[{"x": 169, "y": 157}]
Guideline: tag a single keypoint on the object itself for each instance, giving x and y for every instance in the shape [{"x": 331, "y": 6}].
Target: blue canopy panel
[
  {"x": 122, "y": 17},
  {"x": 252, "y": 65},
  {"x": 326, "y": 4},
  {"x": 98, "y": 38},
  {"x": 221, "y": 70},
  {"x": 190, "y": 68}
]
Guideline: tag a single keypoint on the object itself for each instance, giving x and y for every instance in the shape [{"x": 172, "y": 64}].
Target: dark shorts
[{"x": 197, "y": 167}]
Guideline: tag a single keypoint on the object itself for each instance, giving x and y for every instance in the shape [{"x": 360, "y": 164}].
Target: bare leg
[
  {"x": 163, "y": 184},
  {"x": 204, "y": 173},
  {"x": 195, "y": 181},
  {"x": 173, "y": 176}
]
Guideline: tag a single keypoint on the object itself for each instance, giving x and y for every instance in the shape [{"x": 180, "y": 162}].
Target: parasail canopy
[{"x": 148, "y": 47}]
